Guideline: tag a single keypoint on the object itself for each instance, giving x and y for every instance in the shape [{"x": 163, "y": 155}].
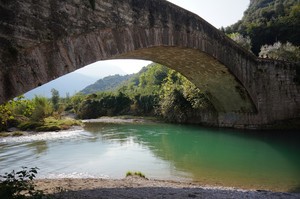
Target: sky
[{"x": 217, "y": 12}]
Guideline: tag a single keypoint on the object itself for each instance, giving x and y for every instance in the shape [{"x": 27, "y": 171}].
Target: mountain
[
  {"x": 269, "y": 21},
  {"x": 107, "y": 83},
  {"x": 70, "y": 83}
]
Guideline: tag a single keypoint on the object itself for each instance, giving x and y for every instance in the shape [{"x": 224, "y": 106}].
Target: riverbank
[
  {"x": 120, "y": 144},
  {"x": 137, "y": 187},
  {"x": 123, "y": 119},
  {"x": 70, "y": 124}
]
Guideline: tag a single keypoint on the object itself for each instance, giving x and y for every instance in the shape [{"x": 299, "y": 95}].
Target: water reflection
[
  {"x": 261, "y": 160},
  {"x": 112, "y": 133},
  {"x": 39, "y": 147}
]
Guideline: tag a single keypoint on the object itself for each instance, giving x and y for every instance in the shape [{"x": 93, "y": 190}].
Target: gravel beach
[{"x": 137, "y": 187}]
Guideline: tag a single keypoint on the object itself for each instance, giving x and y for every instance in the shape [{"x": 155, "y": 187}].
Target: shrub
[
  {"x": 282, "y": 51},
  {"x": 136, "y": 173},
  {"x": 25, "y": 126},
  {"x": 42, "y": 108},
  {"x": 245, "y": 42},
  {"x": 18, "y": 185}
]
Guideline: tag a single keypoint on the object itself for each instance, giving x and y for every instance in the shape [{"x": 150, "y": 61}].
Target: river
[{"x": 219, "y": 157}]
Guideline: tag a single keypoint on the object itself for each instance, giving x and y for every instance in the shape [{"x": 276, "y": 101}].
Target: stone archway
[{"x": 41, "y": 41}]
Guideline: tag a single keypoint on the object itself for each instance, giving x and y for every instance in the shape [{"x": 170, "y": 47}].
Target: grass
[
  {"x": 4, "y": 134},
  {"x": 14, "y": 134},
  {"x": 50, "y": 124},
  {"x": 136, "y": 173},
  {"x": 17, "y": 133}
]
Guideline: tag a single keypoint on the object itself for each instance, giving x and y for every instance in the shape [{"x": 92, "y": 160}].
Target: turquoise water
[{"x": 245, "y": 159}]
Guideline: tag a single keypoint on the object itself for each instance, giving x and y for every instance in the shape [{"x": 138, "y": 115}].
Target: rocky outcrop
[{"x": 42, "y": 40}]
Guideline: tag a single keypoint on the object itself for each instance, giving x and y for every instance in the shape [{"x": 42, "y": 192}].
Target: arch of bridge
[{"x": 41, "y": 41}]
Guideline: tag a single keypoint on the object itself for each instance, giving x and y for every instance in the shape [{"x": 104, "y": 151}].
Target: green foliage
[
  {"x": 180, "y": 100},
  {"x": 73, "y": 104},
  {"x": 38, "y": 114},
  {"x": 109, "y": 83},
  {"x": 144, "y": 89},
  {"x": 147, "y": 82},
  {"x": 23, "y": 107},
  {"x": 157, "y": 90},
  {"x": 10, "y": 110},
  {"x": 269, "y": 21},
  {"x": 174, "y": 107},
  {"x": 49, "y": 124},
  {"x": 245, "y": 42},
  {"x": 144, "y": 104},
  {"x": 136, "y": 173},
  {"x": 55, "y": 99},
  {"x": 104, "y": 104},
  {"x": 17, "y": 134},
  {"x": 19, "y": 185},
  {"x": 154, "y": 91},
  {"x": 29, "y": 125},
  {"x": 5, "y": 115},
  {"x": 42, "y": 109},
  {"x": 281, "y": 51}
]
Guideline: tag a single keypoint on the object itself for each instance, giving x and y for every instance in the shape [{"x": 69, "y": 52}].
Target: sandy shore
[{"x": 136, "y": 187}]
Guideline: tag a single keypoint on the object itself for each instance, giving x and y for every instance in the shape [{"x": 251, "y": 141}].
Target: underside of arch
[{"x": 225, "y": 92}]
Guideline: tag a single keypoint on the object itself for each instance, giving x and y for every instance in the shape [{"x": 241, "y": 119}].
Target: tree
[
  {"x": 55, "y": 99},
  {"x": 13, "y": 108},
  {"x": 42, "y": 108},
  {"x": 278, "y": 50},
  {"x": 104, "y": 104},
  {"x": 269, "y": 21},
  {"x": 180, "y": 100},
  {"x": 245, "y": 42},
  {"x": 5, "y": 115}
]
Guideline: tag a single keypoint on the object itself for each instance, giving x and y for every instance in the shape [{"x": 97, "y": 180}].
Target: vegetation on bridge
[{"x": 269, "y": 21}]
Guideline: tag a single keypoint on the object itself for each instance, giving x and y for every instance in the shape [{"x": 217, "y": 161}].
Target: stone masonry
[{"x": 42, "y": 40}]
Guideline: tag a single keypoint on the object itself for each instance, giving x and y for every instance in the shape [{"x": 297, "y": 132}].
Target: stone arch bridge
[{"x": 42, "y": 40}]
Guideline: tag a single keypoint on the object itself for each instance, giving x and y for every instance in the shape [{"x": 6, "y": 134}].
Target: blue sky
[{"x": 217, "y": 12}]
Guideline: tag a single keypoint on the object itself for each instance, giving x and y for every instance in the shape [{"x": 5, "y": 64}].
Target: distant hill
[
  {"x": 107, "y": 83},
  {"x": 70, "y": 83}
]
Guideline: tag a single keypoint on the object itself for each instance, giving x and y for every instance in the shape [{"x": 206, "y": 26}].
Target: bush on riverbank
[
  {"x": 19, "y": 185},
  {"x": 49, "y": 124},
  {"x": 136, "y": 173},
  {"x": 104, "y": 104},
  {"x": 37, "y": 114}
]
